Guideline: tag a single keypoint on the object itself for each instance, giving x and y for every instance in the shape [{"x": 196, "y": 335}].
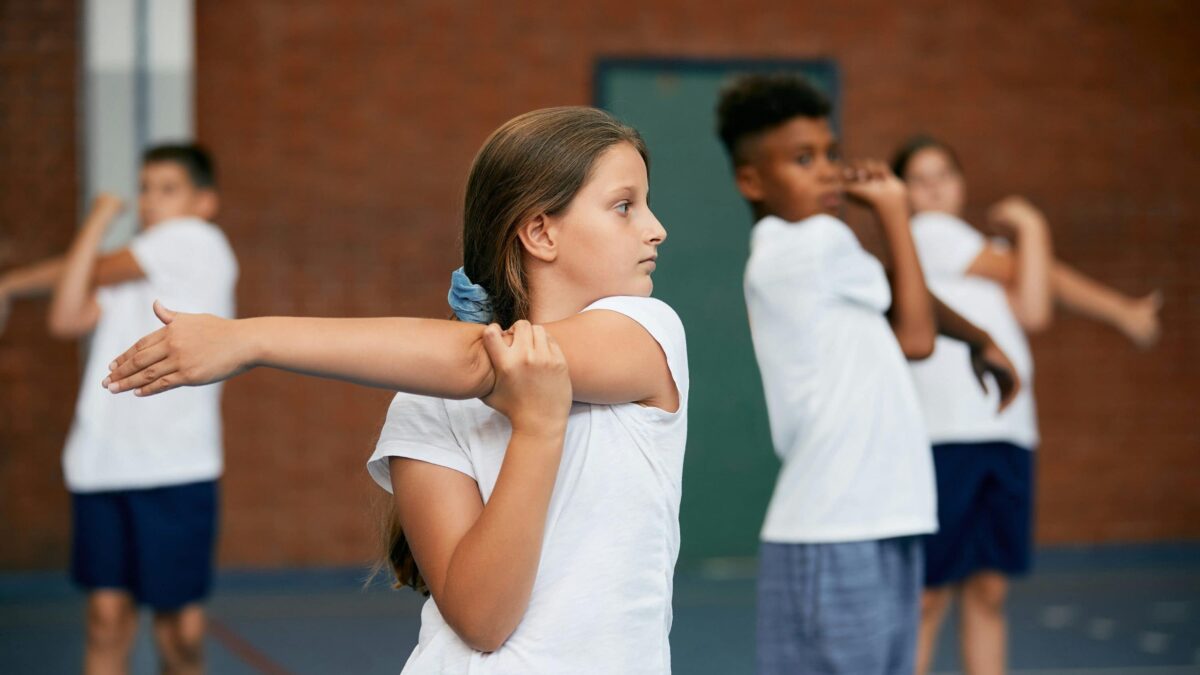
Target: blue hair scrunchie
[{"x": 469, "y": 301}]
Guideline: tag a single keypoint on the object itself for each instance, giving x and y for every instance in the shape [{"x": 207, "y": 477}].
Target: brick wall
[
  {"x": 344, "y": 134},
  {"x": 39, "y": 52}
]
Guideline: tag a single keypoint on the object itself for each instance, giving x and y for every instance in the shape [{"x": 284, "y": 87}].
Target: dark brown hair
[
  {"x": 534, "y": 163},
  {"x": 915, "y": 144},
  {"x": 752, "y": 104},
  {"x": 194, "y": 159}
]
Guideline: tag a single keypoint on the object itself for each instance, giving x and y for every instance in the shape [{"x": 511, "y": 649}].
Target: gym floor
[{"x": 1086, "y": 611}]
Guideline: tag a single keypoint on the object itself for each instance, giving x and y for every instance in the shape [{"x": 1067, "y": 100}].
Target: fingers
[
  {"x": 494, "y": 343},
  {"x": 142, "y": 368},
  {"x": 164, "y": 315},
  {"x": 1007, "y": 395},
  {"x": 1010, "y": 202},
  {"x": 500, "y": 344},
  {"x": 124, "y": 365},
  {"x": 998, "y": 210},
  {"x": 855, "y": 171},
  {"x": 507, "y": 335},
  {"x": 1004, "y": 373},
  {"x": 865, "y": 170},
  {"x": 1015, "y": 211},
  {"x": 151, "y": 380},
  {"x": 107, "y": 203},
  {"x": 532, "y": 343},
  {"x": 980, "y": 373},
  {"x": 165, "y": 383},
  {"x": 1009, "y": 385},
  {"x": 877, "y": 169},
  {"x": 522, "y": 335},
  {"x": 1155, "y": 299}
]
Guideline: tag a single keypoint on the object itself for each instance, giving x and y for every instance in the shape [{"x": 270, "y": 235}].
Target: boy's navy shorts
[
  {"x": 155, "y": 543},
  {"x": 985, "y": 511}
]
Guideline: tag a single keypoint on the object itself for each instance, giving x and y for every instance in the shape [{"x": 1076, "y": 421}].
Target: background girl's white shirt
[
  {"x": 956, "y": 408},
  {"x": 840, "y": 400},
  {"x": 121, "y": 441},
  {"x": 601, "y": 601}
]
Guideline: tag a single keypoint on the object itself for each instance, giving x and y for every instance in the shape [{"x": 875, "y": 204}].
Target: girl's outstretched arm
[
  {"x": 611, "y": 357},
  {"x": 420, "y": 356},
  {"x": 1136, "y": 318}
]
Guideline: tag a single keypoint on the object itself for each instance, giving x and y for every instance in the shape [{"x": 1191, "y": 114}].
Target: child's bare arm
[
  {"x": 1030, "y": 291},
  {"x": 39, "y": 278},
  {"x": 430, "y": 357},
  {"x": 612, "y": 358},
  {"x": 478, "y": 560},
  {"x": 986, "y": 356},
  {"x": 1136, "y": 318},
  {"x": 31, "y": 280},
  {"x": 28, "y": 281},
  {"x": 73, "y": 308},
  {"x": 911, "y": 314}
]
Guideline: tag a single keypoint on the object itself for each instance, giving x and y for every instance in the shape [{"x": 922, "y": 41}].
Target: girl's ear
[
  {"x": 749, "y": 182},
  {"x": 539, "y": 236}
]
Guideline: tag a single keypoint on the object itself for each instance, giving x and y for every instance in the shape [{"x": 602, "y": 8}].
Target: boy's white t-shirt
[
  {"x": 601, "y": 601},
  {"x": 843, "y": 411},
  {"x": 124, "y": 442},
  {"x": 957, "y": 410}
]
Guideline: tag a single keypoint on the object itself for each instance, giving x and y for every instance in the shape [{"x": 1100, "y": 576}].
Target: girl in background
[{"x": 984, "y": 460}]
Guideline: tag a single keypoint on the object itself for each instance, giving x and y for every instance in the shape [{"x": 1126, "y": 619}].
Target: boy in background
[
  {"x": 840, "y": 562},
  {"x": 143, "y": 483}
]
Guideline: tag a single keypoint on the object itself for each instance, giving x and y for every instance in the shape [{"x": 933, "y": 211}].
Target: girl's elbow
[
  {"x": 61, "y": 328},
  {"x": 483, "y": 634},
  {"x": 66, "y": 321},
  {"x": 486, "y": 642},
  {"x": 1036, "y": 320},
  {"x": 1037, "y": 326},
  {"x": 478, "y": 376}
]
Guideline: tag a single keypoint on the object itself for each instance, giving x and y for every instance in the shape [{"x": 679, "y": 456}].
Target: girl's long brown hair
[{"x": 534, "y": 163}]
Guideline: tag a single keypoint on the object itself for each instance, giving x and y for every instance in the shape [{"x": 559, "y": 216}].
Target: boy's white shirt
[
  {"x": 601, "y": 601},
  {"x": 124, "y": 442},
  {"x": 956, "y": 408},
  {"x": 842, "y": 407}
]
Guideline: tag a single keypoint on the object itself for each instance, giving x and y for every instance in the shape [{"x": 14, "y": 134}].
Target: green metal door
[{"x": 730, "y": 467}]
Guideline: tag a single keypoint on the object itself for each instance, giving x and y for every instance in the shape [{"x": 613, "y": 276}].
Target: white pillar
[{"x": 137, "y": 91}]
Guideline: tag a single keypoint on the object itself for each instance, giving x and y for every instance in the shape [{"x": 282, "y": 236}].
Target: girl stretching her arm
[{"x": 537, "y": 559}]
